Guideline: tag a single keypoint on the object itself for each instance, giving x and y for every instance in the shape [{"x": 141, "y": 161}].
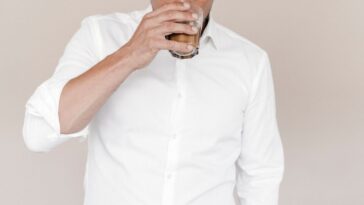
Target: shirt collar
[{"x": 210, "y": 32}]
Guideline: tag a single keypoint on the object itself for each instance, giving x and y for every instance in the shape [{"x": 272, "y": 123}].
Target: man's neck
[{"x": 205, "y": 22}]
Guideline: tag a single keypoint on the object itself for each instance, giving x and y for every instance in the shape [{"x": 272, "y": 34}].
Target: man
[{"x": 163, "y": 130}]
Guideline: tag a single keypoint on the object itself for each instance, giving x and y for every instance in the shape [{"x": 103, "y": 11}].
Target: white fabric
[{"x": 177, "y": 132}]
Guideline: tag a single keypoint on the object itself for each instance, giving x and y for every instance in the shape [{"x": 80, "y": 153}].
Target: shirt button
[{"x": 169, "y": 175}]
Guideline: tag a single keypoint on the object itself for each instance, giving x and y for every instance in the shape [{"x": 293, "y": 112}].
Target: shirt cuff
[{"x": 44, "y": 103}]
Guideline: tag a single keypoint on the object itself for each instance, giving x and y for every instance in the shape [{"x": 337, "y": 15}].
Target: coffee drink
[{"x": 193, "y": 40}]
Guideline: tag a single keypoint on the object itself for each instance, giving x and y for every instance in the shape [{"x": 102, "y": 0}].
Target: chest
[{"x": 200, "y": 95}]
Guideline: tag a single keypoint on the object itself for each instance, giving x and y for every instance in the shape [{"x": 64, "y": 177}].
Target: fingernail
[
  {"x": 194, "y": 15},
  {"x": 186, "y": 5}
]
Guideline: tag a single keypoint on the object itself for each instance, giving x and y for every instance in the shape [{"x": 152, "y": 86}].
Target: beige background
[{"x": 317, "y": 54}]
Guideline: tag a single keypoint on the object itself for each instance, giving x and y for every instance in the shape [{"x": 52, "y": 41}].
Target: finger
[
  {"x": 153, "y": 19},
  {"x": 163, "y": 44},
  {"x": 172, "y": 27},
  {"x": 181, "y": 5},
  {"x": 177, "y": 16}
]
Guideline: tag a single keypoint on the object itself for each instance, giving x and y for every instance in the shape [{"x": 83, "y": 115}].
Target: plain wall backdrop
[{"x": 317, "y": 54}]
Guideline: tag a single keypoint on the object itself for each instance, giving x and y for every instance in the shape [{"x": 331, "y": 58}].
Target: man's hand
[
  {"x": 83, "y": 96},
  {"x": 149, "y": 37}
]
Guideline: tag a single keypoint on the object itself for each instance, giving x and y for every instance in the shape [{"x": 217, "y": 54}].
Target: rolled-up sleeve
[
  {"x": 41, "y": 127},
  {"x": 261, "y": 162}
]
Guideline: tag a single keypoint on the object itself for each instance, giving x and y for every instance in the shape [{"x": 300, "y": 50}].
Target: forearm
[{"x": 84, "y": 95}]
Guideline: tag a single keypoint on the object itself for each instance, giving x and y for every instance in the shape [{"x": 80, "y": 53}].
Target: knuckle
[
  {"x": 149, "y": 33},
  {"x": 187, "y": 27},
  {"x": 146, "y": 16},
  {"x": 187, "y": 15},
  {"x": 165, "y": 6},
  {"x": 169, "y": 6},
  {"x": 176, "y": 4},
  {"x": 184, "y": 27},
  {"x": 173, "y": 5},
  {"x": 180, "y": 5},
  {"x": 169, "y": 25},
  {"x": 146, "y": 20},
  {"x": 179, "y": 14},
  {"x": 170, "y": 14},
  {"x": 150, "y": 44},
  {"x": 142, "y": 25}
]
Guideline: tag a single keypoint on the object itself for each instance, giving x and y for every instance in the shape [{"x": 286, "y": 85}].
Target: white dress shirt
[{"x": 177, "y": 132}]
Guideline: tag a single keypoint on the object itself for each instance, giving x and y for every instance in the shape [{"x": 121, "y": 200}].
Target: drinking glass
[{"x": 192, "y": 39}]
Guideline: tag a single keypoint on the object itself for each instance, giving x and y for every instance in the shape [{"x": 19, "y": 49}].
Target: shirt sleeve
[
  {"x": 261, "y": 162},
  {"x": 41, "y": 128}
]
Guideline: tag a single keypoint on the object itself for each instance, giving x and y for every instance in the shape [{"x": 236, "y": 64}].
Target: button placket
[
  {"x": 172, "y": 150},
  {"x": 169, "y": 175}
]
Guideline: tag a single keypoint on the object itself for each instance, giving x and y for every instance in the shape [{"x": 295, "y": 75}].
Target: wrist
[{"x": 125, "y": 58}]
